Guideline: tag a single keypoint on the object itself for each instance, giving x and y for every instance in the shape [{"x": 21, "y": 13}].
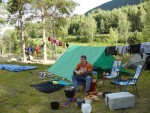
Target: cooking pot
[
  {"x": 69, "y": 92},
  {"x": 79, "y": 101},
  {"x": 54, "y": 105}
]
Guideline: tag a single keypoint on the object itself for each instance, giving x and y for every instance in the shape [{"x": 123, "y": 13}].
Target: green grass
[{"x": 17, "y": 96}]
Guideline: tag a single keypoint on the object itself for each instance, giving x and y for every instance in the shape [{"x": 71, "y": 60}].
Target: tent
[
  {"x": 135, "y": 60},
  {"x": 65, "y": 65}
]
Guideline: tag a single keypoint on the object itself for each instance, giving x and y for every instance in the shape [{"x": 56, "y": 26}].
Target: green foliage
[
  {"x": 11, "y": 41},
  {"x": 33, "y": 30},
  {"x": 135, "y": 38},
  {"x": 103, "y": 38},
  {"x": 123, "y": 27},
  {"x": 3, "y": 13},
  {"x": 124, "y": 20},
  {"x": 89, "y": 27},
  {"x": 2, "y": 20},
  {"x": 83, "y": 39},
  {"x": 76, "y": 39},
  {"x": 113, "y": 36},
  {"x": 146, "y": 31},
  {"x": 17, "y": 5}
]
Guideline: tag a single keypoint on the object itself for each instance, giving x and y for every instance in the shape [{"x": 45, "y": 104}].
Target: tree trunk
[
  {"x": 44, "y": 39},
  {"x": 23, "y": 41},
  {"x": 1, "y": 49},
  {"x": 10, "y": 46}
]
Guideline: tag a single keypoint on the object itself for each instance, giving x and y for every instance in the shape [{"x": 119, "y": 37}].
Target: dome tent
[{"x": 135, "y": 60}]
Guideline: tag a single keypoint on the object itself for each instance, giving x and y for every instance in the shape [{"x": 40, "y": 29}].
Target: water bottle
[
  {"x": 88, "y": 101},
  {"x": 86, "y": 108}
]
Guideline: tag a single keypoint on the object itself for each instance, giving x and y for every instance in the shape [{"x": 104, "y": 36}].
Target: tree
[
  {"x": 10, "y": 40},
  {"x": 89, "y": 27},
  {"x": 53, "y": 9},
  {"x": 3, "y": 14},
  {"x": 1, "y": 43},
  {"x": 33, "y": 30},
  {"x": 113, "y": 36},
  {"x": 146, "y": 31},
  {"x": 18, "y": 9},
  {"x": 102, "y": 26},
  {"x": 123, "y": 27}
]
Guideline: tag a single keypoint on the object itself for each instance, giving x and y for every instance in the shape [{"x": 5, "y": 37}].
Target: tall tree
[
  {"x": 90, "y": 27},
  {"x": 113, "y": 36},
  {"x": 102, "y": 26},
  {"x": 10, "y": 39},
  {"x": 18, "y": 8},
  {"x": 53, "y": 9},
  {"x": 123, "y": 27},
  {"x": 146, "y": 31}
]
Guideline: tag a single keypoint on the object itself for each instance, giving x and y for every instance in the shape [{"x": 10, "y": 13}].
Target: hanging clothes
[
  {"x": 49, "y": 38},
  {"x": 124, "y": 50},
  {"x": 135, "y": 48},
  {"x": 113, "y": 50},
  {"x": 107, "y": 51},
  {"x": 60, "y": 43},
  {"x": 54, "y": 41},
  {"x": 57, "y": 42},
  {"x": 37, "y": 49},
  {"x": 146, "y": 47},
  {"x": 119, "y": 49}
]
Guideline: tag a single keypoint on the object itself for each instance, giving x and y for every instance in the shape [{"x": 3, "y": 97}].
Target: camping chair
[
  {"x": 132, "y": 81},
  {"x": 114, "y": 71}
]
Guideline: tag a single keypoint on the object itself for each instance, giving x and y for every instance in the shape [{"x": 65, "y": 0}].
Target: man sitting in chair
[{"x": 83, "y": 72}]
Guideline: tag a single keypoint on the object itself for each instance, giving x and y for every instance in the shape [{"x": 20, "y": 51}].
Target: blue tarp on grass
[{"x": 16, "y": 68}]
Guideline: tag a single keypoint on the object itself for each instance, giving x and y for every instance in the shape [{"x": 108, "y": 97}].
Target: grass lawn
[{"x": 17, "y": 96}]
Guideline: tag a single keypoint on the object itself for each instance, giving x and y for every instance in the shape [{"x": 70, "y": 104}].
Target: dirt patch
[{"x": 8, "y": 58}]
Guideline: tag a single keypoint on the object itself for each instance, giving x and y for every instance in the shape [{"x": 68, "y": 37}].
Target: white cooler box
[{"x": 119, "y": 100}]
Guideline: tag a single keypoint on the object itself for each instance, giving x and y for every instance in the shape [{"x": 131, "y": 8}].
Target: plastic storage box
[{"x": 119, "y": 100}]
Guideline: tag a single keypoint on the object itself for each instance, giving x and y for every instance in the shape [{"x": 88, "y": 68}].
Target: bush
[
  {"x": 101, "y": 38},
  {"x": 134, "y": 38},
  {"x": 80, "y": 39}
]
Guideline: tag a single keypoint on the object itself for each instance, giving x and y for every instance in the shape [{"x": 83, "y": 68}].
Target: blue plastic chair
[
  {"x": 130, "y": 82},
  {"x": 114, "y": 71}
]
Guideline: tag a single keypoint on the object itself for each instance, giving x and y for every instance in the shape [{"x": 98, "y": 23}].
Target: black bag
[{"x": 104, "y": 93}]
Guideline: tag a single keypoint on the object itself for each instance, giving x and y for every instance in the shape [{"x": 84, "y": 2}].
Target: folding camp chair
[
  {"x": 114, "y": 71},
  {"x": 132, "y": 81}
]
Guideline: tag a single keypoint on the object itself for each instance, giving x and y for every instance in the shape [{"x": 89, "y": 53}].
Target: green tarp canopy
[{"x": 65, "y": 65}]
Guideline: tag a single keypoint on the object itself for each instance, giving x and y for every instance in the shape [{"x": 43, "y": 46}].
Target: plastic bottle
[
  {"x": 88, "y": 101},
  {"x": 86, "y": 108}
]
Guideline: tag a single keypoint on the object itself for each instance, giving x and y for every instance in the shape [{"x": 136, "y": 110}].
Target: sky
[
  {"x": 86, "y": 5},
  {"x": 5, "y": 0}
]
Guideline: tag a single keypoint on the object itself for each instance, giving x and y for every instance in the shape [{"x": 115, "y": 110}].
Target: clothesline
[{"x": 132, "y": 49}]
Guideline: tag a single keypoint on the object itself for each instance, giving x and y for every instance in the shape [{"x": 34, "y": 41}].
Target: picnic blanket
[
  {"x": 16, "y": 68},
  {"x": 48, "y": 87}
]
